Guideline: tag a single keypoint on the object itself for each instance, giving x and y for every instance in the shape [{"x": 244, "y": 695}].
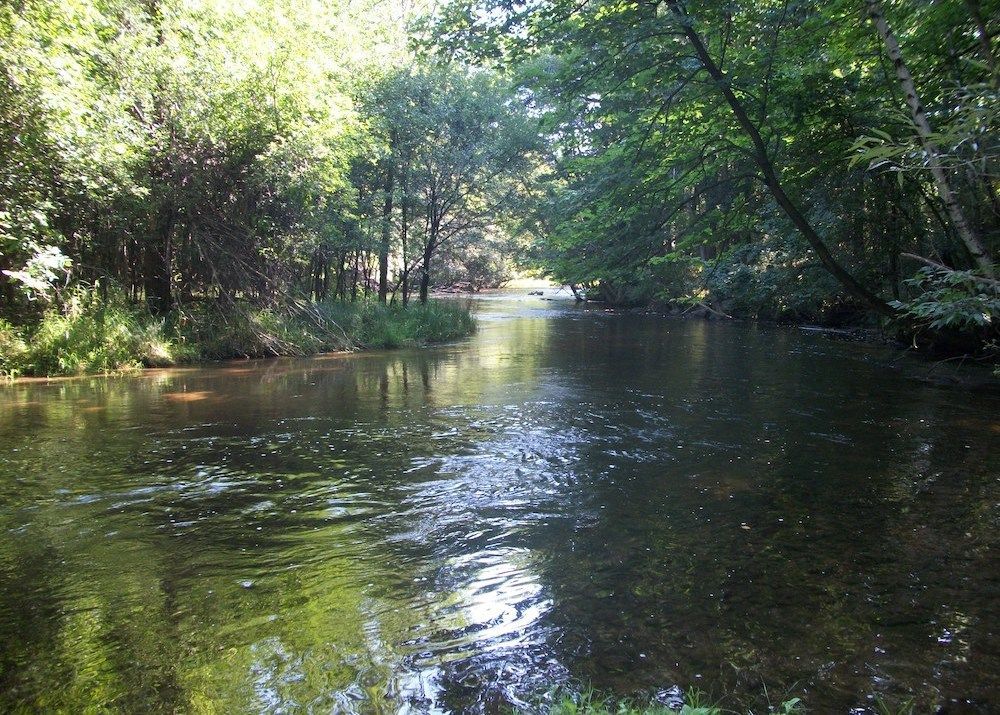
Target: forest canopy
[
  {"x": 776, "y": 159},
  {"x": 193, "y": 149},
  {"x": 787, "y": 160}
]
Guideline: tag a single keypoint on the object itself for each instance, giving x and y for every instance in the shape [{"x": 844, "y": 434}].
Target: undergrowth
[{"x": 89, "y": 334}]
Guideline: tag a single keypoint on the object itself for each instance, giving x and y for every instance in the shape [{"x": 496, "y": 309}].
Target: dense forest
[
  {"x": 778, "y": 159},
  {"x": 200, "y": 165}
]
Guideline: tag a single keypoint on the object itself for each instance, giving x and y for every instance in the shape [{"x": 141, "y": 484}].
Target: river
[{"x": 570, "y": 496}]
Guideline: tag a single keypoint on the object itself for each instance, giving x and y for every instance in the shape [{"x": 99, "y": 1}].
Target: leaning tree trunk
[
  {"x": 768, "y": 172},
  {"x": 965, "y": 231}
]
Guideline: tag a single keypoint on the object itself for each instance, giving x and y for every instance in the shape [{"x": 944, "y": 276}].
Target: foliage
[
  {"x": 459, "y": 147},
  {"x": 373, "y": 325},
  {"x": 88, "y": 334},
  {"x": 224, "y": 161},
  {"x": 481, "y": 260},
  {"x": 13, "y": 349},
  {"x": 661, "y": 190},
  {"x": 42, "y": 271},
  {"x": 947, "y": 299},
  {"x": 588, "y": 703},
  {"x": 772, "y": 280}
]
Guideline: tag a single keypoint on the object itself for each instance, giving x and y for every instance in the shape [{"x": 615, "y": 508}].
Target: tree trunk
[
  {"x": 355, "y": 276},
  {"x": 964, "y": 229},
  {"x": 383, "y": 254},
  {"x": 158, "y": 262},
  {"x": 157, "y": 256},
  {"x": 403, "y": 226},
  {"x": 425, "y": 270},
  {"x": 341, "y": 290},
  {"x": 768, "y": 172}
]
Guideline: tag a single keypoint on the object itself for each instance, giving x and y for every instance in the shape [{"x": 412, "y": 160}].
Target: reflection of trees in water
[
  {"x": 207, "y": 534},
  {"x": 461, "y": 524}
]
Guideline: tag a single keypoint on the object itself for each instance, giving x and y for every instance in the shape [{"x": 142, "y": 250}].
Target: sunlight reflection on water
[{"x": 569, "y": 495}]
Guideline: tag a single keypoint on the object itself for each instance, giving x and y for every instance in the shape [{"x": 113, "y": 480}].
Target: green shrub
[
  {"x": 88, "y": 334},
  {"x": 13, "y": 349},
  {"x": 772, "y": 280},
  {"x": 84, "y": 337},
  {"x": 952, "y": 300}
]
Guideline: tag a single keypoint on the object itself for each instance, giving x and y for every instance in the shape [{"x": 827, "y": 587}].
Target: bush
[
  {"x": 772, "y": 280},
  {"x": 12, "y": 350},
  {"x": 88, "y": 334},
  {"x": 957, "y": 300}
]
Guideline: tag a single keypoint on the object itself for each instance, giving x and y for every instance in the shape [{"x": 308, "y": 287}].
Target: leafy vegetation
[
  {"x": 217, "y": 165},
  {"x": 95, "y": 335},
  {"x": 782, "y": 160},
  {"x": 952, "y": 299},
  {"x": 778, "y": 160}
]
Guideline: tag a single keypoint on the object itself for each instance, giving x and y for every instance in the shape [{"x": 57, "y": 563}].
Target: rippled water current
[{"x": 569, "y": 496}]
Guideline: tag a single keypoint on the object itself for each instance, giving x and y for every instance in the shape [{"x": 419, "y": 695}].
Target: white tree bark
[{"x": 962, "y": 226}]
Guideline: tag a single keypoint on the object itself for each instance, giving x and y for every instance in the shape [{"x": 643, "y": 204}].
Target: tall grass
[
  {"x": 374, "y": 325},
  {"x": 87, "y": 335}
]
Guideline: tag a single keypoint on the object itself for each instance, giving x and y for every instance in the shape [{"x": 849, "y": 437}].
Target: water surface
[{"x": 569, "y": 496}]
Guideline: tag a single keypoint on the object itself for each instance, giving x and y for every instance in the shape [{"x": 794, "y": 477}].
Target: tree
[
  {"x": 712, "y": 151},
  {"x": 461, "y": 144},
  {"x": 966, "y": 232}
]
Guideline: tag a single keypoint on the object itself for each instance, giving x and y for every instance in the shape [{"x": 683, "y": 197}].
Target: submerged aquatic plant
[{"x": 587, "y": 701}]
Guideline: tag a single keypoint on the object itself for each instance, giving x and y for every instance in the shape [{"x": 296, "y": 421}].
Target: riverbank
[{"x": 88, "y": 335}]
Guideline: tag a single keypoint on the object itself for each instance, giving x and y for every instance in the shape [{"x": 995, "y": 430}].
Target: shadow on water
[{"x": 570, "y": 495}]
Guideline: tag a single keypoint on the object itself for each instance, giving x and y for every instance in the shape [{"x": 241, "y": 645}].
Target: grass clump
[
  {"x": 88, "y": 334},
  {"x": 373, "y": 325},
  {"x": 221, "y": 331},
  {"x": 588, "y": 702}
]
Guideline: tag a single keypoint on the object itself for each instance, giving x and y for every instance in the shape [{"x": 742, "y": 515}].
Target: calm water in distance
[{"x": 570, "y": 496}]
